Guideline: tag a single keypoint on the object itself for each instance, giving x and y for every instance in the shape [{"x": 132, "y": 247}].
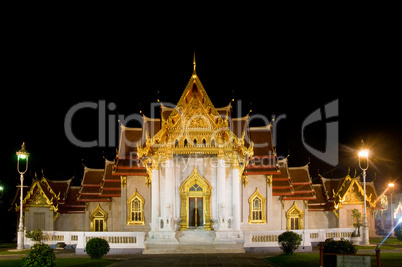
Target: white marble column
[
  {"x": 220, "y": 192},
  {"x": 123, "y": 203},
  {"x": 169, "y": 195},
  {"x": 236, "y": 197},
  {"x": 155, "y": 199},
  {"x": 269, "y": 208}
]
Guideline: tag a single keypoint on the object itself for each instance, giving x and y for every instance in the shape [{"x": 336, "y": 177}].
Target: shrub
[
  {"x": 289, "y": 241},
  {"x": 343, "y": 246},
  {"x": 40, "y": 255},
  {"x": 399, "y": 234},
  {"x": 35, "y": 235},
  {"x": 96, "y": 248}
]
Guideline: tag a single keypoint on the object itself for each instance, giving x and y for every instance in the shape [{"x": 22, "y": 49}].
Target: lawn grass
[
  {"x": 311, "y": 260},
  {"x": 388, "y": 259},
  {"x": 7, "y": 246},
  {"x": 297, "y": 260},
  {"x": 389, "y": 241},
  {"x": 383, "y": 247},
  {"x": 64, "y": 262},
  {"x": 21, "y": 252}
]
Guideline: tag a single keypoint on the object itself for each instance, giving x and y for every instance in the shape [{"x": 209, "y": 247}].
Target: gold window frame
[
  {"x": 135, "y": 196},
  {"x": 252, "y": 209},
  {"x": 98, "y": 214},
  {"x": 296, "y": 213}
]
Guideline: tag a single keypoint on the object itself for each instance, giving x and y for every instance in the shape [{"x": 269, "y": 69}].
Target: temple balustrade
[
  {"x": 310, "y": 237},
  {"x": 119, "y": 242}
]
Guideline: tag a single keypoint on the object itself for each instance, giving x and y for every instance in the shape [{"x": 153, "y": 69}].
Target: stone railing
[
  {"x": 119, "y": 242},
  {"x": 267, "y": 239}
]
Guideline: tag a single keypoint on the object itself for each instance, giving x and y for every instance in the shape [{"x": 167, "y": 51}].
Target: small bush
[
  {"x": 35, "y": 235},
  {"x": 289, "y": 241},
  {"x": 40, "y": 255},
  {"x": 343, "y": 246},
  {"x": 399, "y": 234},
  {"x": 96, "y": 248}
]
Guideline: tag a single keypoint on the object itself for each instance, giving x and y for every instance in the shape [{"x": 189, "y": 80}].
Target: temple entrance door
[
  {"x": 195, "y": 202},
  {"x": 196, "y": 211}
]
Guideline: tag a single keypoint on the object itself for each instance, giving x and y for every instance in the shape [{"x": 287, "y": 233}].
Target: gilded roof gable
[{"x": 194, "y": 88}]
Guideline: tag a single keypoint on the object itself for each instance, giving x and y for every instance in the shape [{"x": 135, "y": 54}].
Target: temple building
[{"x": 196, "y": 175}]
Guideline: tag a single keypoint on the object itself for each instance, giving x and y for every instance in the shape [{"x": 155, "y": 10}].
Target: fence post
[
  {"x": 321, "y": 255},
  {"x": 378, "y": 253}
]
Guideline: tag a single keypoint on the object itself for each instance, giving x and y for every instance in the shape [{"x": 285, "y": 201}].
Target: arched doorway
[
  {"x": 195, "y": 195},
  {"x": 98, "y": 219}
]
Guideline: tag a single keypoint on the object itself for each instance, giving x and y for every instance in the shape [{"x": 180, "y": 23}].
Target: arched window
[
  {"x": 176, "y": 143},
  {"x": 195, "y": 142},
  {"x": 204, "y": 143},
  {"x": 294, "y": 218},
  {"x": 185, "y": 143},
  {"x": 136, "y": 209},
  {"x": 257, "y": 208},
  {"x": 213, "y": 143},
  {"x": 98, "y": 219}
]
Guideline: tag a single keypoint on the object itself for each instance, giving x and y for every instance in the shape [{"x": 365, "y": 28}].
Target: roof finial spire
[{"x": 194, "y": 63}]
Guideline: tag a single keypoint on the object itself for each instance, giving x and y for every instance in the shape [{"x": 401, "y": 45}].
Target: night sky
[{"x": 46, "y": 73}]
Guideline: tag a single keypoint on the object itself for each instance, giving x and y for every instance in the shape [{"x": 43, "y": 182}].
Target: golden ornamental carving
[
  {"x": 194, "y": 127},
  {"x": 37, "y": 199}
]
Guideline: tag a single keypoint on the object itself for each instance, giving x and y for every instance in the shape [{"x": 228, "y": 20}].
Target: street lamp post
[
  {"x": 391, "y": 185},
  {"x": 21, "y": 154},
  {"x": 364, "y": 164}
]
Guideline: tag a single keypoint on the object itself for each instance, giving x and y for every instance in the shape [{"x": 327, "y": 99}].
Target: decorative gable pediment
[
  {"x": 353, "y": 196},
  {"x": 36, "y": 197},
  {"x": 195, "y": 116}
]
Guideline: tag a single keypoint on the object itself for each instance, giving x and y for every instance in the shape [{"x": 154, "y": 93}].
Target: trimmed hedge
[
  {"x": 343, "y": 246},
  {"x": 289, "y": 241},
  {"x": 96, "y": 248}
]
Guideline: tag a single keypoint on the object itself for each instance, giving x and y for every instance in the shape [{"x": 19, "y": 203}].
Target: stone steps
[
  {"x": 196, "y": 236},
  {"x": 193, "y": 249}
]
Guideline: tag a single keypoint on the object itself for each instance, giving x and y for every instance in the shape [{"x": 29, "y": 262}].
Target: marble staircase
[
  {"x": 195, "y": 236},
  {"x": 194, "y": 241},
  {"x": 194, "y": 249}
]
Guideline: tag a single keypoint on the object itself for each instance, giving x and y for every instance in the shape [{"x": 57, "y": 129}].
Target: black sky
[{"x": 47, "y": 72}]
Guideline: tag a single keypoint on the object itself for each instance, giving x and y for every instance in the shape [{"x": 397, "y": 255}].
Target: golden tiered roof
[{"x": 194, "y": 126}]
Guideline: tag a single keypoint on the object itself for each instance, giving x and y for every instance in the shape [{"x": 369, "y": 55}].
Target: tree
[
  {"x": 357, "y": 220},
  {"x": 35, "y": 235},
  {"x": 289, "y": 241},
  {"x": 40, "y": 254}
]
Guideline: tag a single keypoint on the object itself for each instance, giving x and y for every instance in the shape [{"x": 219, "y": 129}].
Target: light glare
[{"x": 364, "y": 153}]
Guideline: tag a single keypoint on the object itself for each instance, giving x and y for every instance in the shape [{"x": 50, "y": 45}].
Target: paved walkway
[{"x": 244, "y": 259}]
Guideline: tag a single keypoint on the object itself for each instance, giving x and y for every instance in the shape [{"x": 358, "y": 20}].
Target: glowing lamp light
[
  {"x": 400, "y": 220},
  {"x": 22, "y": 153},
  {"x": 364, "y": 153},
  {"x": 1, "y": 188},
  {"x": 391, "y": 185}
]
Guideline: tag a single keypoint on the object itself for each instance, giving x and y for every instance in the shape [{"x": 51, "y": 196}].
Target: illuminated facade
[{"x": 196, "y": 169}]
